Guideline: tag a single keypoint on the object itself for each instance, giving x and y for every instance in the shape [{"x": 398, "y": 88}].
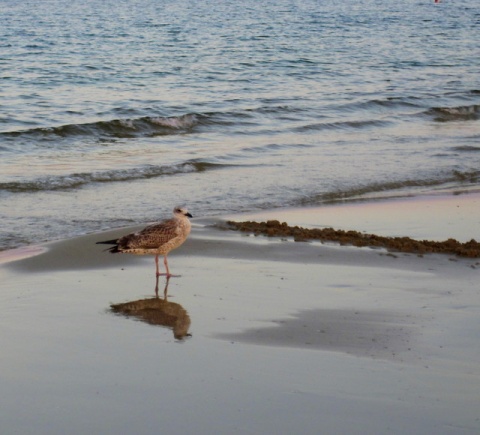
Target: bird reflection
[{"x": 157, "y": 311}]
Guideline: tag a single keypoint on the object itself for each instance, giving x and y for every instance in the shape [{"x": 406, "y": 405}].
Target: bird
[{"x": 156, "y": 239}]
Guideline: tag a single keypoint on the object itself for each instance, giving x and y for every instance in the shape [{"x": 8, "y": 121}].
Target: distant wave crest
[
  {"x": 343, "y": 125},
  {"x": 466, "y": 148},
  {"x": 117, "y": 128}
]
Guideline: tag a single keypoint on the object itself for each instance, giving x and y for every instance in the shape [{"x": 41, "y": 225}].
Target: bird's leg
[
  {"x": 158, "y": 270},
  {"x": 165, "y": 262},
  {"x": 168, "y": 274}
]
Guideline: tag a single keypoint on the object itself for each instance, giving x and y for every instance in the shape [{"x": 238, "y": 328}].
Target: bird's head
[{"x": 181, "y": 211}]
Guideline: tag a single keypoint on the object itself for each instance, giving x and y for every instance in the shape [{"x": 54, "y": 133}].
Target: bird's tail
[
  {"x": 114, "y": 249},
  {"x": 108, "y": 242}
]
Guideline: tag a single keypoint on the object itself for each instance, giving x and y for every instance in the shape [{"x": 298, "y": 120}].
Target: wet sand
[{"x": 257, "y": 335}]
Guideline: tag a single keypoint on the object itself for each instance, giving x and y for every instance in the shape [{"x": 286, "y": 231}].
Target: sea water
[{"x": 112, "y": 112}]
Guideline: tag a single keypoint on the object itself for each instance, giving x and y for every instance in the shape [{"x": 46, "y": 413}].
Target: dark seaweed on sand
[{"x": 274, "y": 228}]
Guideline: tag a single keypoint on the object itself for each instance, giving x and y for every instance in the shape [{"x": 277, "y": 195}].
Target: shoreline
[{"x": 350, "y": 216}]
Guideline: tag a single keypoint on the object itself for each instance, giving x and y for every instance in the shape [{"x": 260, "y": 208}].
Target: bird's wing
[{"x": 151, "y": 237}]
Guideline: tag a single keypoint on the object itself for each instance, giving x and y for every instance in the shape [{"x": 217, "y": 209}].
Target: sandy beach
[{"x": 257, "y": 336}]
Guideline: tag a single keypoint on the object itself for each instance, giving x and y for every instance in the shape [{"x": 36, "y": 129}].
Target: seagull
[{"x": 156, "y": 239}]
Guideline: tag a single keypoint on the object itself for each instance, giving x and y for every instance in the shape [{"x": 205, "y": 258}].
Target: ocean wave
[
  {"x": 466, "y": 148},
  {"x": 117, "y": 128},
  {"x": 146, "y": 126},
  {"x": 342, "y": 125},
  {"x": 72, "y": 181},
  {"x": 382, "y": 104},
  {"x": 151, "y": 126},
  {"x": 459, "y": 113},
  {"x": 393, "y": 188}
]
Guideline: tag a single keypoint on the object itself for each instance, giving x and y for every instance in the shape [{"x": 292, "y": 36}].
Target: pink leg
[
  {"x": 165, "y": 262},
  {"x": 168, "y": 274},
  {"x": 166, "y": 267}
]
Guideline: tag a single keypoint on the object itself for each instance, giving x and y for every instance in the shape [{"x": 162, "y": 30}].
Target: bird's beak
[{"x": 188, "y": 215}]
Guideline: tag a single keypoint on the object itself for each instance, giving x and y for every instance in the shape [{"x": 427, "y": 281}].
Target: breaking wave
[
  {"x": 460, "y": 113},
  {"x": 117, "y": 128}
]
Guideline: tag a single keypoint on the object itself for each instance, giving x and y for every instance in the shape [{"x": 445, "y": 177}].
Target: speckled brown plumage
[{"x": 157, "y": 239}]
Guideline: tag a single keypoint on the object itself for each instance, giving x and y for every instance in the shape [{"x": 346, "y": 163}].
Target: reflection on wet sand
[
  {"x": 157, "y": 311},
  {"x": 370, "y": 334}
]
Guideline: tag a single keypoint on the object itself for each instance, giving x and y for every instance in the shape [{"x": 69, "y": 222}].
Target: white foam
[{"x": 178, "y": 122}]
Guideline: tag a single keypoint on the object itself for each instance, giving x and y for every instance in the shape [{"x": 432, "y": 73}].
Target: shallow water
[{"x": 113, "y": 112}]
